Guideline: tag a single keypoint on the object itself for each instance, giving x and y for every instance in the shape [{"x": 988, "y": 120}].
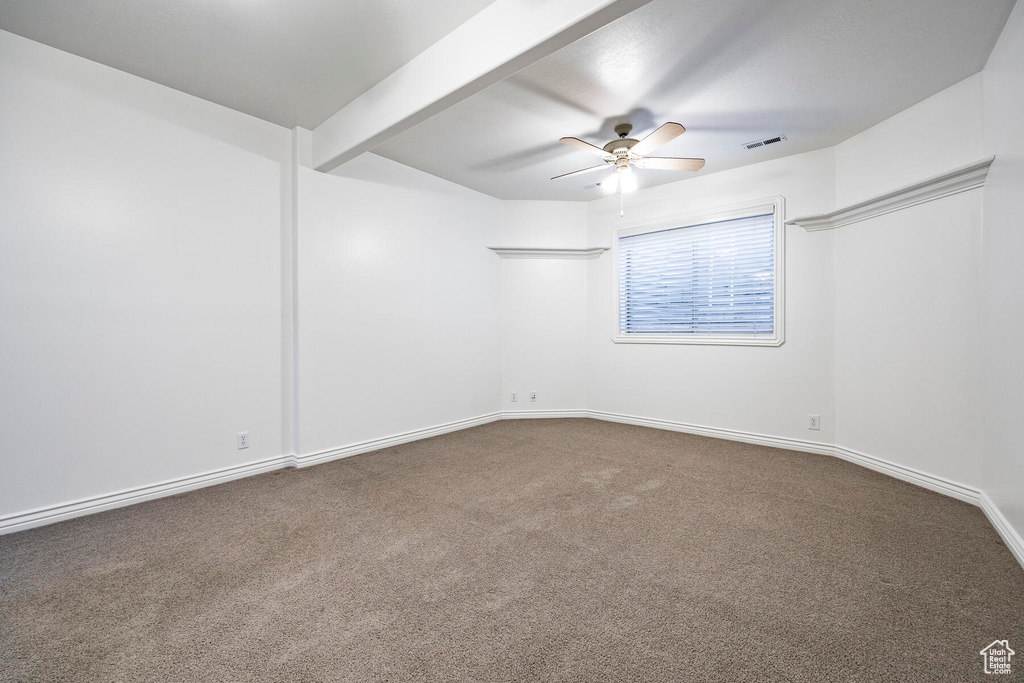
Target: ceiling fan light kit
[
  {"x": 627, "y": 151},
  {"x": 622, "y": 178}
]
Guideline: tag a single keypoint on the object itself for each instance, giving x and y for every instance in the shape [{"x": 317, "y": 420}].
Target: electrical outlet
[
  {"x": 243, "y": 440},
  {"x": 814, "y": 422},
  {"x": 515, "y": 396},
  {"x": 533, "y": 396}
]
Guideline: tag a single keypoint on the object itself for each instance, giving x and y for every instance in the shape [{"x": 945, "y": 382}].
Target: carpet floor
[{"x": 534, "y": 550}]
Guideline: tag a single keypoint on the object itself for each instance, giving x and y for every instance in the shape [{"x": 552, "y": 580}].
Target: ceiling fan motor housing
[
  {"x": 622, "y": 144},
  {"x": 620, "y": 148}
]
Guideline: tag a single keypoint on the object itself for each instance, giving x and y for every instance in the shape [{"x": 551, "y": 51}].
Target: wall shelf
[
  {"x": 544, "y": 252},
  {"x": 948, "y": 183}
]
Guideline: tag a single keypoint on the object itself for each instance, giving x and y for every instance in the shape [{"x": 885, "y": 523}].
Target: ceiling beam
[{"x": 501, "y": 39}]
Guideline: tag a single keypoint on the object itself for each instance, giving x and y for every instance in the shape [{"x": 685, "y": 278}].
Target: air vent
[{"x": 761, "y": 143}]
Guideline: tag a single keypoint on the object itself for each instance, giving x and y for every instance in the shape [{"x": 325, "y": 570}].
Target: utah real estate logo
[{"x": 997, "y": 657}]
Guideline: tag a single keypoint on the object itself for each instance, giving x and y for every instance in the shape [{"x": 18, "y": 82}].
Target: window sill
[{"x": 707, "y": 340}]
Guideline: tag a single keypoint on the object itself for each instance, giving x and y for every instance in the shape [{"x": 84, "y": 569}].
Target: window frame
[{"x": 777, "y": 206}]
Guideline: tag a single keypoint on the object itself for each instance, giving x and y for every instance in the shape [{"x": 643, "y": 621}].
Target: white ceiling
[
  {"x": 731, "y": 71},
  {"x": 292, "y": 62}
]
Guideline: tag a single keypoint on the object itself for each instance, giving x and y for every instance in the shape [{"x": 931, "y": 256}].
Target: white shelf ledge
[
  {"x": 543, "y": 252},
  {"x": 951, "y": 182}
]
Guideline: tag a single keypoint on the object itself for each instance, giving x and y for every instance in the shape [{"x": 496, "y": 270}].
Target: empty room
[{"x": 511, "y": 340}]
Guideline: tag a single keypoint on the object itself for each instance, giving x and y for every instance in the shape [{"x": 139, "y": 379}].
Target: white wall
[
  {"x": 145, "y": 289},
  {"x": 936, "y": 135},
  {"x": 764, "y": 390},
  {"x": 908, "y": 325},
  {"x": 1002, "y": 285},
  {"x": 399, "y": 302},
  {"x": 544, "y": 307},
  {"x": 908, "y": 337},
  {"x": 145, "y": 241},
  {"x": 139, "y": 281}
]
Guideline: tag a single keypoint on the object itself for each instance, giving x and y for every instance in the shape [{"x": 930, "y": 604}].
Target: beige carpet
[{"x": 541, "y": 550}]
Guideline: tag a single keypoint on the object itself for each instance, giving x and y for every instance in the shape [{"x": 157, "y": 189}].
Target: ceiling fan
[{"x": 626, "y": 150}]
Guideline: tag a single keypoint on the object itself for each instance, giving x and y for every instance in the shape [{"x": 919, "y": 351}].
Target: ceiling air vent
[{"x": 761, "y": 143}]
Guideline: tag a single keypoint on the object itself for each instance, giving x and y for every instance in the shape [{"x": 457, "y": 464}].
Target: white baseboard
[
  {"x": 716, "y": 432},
  {"x": 540, "y": 414},
  {"x": 55, "y": 513},
  {"x": 909, "y": 474},
  {"x": 1010, "y": 537},
  {"x": 947, "y": 487},
  {"x": 20, "y": 521},
  {"x": 318, "y": 457}
]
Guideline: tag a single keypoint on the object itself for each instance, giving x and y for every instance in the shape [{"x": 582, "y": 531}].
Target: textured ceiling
[
  {"x": 292, "y": 62},
  {"x": 731, "y": 71}
]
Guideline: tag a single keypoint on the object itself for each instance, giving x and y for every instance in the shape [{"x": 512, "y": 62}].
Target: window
[{"x": 710, "y": 278}]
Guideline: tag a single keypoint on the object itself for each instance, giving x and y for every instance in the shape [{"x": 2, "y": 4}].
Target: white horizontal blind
[{"x": 713, "y": 278}]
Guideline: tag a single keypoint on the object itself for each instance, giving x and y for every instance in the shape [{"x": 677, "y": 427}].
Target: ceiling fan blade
[
  {"x": 585, "y": 146},
  {"x": 670, "y": 164},
  {"x": 581, "y": 171},
  {"x": 667, "y": 132}
]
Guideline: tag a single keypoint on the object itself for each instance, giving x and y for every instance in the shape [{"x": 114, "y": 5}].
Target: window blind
[{"x": 713, "y": 278}]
